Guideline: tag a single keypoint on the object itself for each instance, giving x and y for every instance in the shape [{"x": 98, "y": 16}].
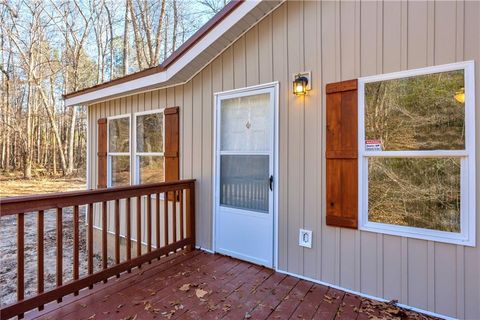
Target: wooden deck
[{"x": 198, "y": 285}]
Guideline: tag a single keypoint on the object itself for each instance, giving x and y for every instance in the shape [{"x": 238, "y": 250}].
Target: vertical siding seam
[
  {"x": 191, "y": 139},
  {"x": 201, "y": 149},
  {"x": 318, "y": 178},
  {"x": 358, "y": 59},
  {"x": 272, "y": 77},
  {"x": 258, "y": 53},
  {"x": 338, "y": 75},
  {"x": 404, "y": 271},
  {"x": 338, "y": 25},
  {"x": 407, "y": 31},
  {"x": 302, "y": 128},
  {"x": 460, "y": 279},
  {"x": 287, "y": 140},
  {"x": 245, "y": 76},
  {"x": 383, "y": 38},
  {"x": 212, "y": 146},
  {"x": 404, "y": 33}
]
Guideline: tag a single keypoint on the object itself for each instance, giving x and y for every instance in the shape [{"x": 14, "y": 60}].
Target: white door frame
[{"x": 275, "y": 86}]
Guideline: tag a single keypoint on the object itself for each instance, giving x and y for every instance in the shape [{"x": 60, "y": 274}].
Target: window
[
  {"x": 416, "y": 153},
  {"x": 119, "y": 151},
  {"x": 149, "y": 147}
]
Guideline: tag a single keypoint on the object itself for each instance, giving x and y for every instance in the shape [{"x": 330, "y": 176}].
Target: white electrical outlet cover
[{"x": 305, "y": 238}]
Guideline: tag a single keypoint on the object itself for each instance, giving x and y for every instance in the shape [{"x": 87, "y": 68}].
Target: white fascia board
[
  {"x": 117, "y": 89},
  {"x": 158, "y": 78}
]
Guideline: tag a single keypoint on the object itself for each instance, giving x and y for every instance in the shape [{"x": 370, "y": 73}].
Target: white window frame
[
  {"x": 110, "y": 154},
  {"x": 467, "y": 168},
  {"x": 136, "y": 155}
]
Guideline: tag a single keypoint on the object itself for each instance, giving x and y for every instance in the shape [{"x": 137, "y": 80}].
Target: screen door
[{"x": 244, "y": 175}]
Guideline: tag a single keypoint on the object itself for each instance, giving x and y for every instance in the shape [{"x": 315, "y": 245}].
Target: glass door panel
[{"x": 246, "y": 123}]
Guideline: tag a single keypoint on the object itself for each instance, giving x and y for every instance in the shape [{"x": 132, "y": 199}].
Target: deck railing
[{"x": 176, "y": 234}]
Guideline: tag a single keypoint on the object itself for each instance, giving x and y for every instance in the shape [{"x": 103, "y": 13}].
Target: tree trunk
[
  {"x": 71, "y": 141},
  {"x": 27, "y": 148},
  {"x": 175, "y": 25},
  {"x": 54, "y": 126},
  {"x": 136, "y": 34},
  {"x": 54, "y": 155},
  {"x": 126, "y": 42}
]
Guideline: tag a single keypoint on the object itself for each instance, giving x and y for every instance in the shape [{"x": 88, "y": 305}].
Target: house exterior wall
[{"x": 336, "y": 41}]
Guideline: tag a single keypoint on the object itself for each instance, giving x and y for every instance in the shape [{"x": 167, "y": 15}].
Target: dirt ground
[
  {"x": 8, "y": 248},
  {"x": 13, "y": 185}
]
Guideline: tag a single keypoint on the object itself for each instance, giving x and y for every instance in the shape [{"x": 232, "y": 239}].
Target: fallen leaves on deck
[
  {"x": 200, "y": 293},
  {"x": 185, "y": 287},
  {"x": 377, "y": 310}
]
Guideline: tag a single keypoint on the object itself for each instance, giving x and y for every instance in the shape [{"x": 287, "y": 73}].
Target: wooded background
[{"x": 52, "y": 47}]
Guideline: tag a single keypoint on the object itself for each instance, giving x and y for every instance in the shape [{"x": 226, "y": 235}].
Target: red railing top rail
[{"x": 14, "y": 205}]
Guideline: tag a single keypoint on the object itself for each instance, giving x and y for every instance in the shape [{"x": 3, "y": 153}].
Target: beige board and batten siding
[{"x": 336, "y": 41}]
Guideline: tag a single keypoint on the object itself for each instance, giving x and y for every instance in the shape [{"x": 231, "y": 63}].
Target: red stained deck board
[
  {"x": 330, "y": 304},
  {"x": 163, "y": 286},
  {"x": 349, "y": 307},
  {"x": 310, "y": 304},
  {"x": 71, "y": 303},
  {"x": 276, "y": 296},
  {"x": 236, "y": 290},
  {"x": 220, "y": 288},
  {"x": 213, "y": 286},
  {"x": 112, "y": 295},
  {"x": 214, "y": 307},
  {"x": 258, "y": 294},
  {"x": 240, "y": 295},
  {"x": 178, "y": 301},
  {"x": 291, "y": 301}
]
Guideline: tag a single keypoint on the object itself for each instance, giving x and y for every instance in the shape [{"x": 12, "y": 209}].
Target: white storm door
[{"x": 244, "y": 217}]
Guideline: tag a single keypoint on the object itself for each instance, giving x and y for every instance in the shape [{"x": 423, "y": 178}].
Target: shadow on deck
[{"x": 198, "y": 285}]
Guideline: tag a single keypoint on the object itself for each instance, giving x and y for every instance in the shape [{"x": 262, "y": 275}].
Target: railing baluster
[
  {"x": 20, "y": 257},
  {"x": 117, "y": 232},
  {"x": 90, "y": 239},
  {"x": 149, "y": 223},
  {"x": 129, "y": 233},
  {"x": 180, "y": 198},
  {"x": 188, "y": 215},
  {"x": 40, "y": 248},
  {"x": 192, "y": 213},
  {"x": 181, "y": 195},
  {"x": 165, "y": 217},
  {"x": 59, "y": 249},
  {"x": 104, "y": 237},
  {"x": 139, "y": 226},
  {"x": 174, "y": 215},
  {"x": 76, "y": 242},
  {"x": 157, "y": 221}
]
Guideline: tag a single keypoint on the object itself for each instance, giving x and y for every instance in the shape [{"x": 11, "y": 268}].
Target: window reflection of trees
[{"x": 416, "y": 113}]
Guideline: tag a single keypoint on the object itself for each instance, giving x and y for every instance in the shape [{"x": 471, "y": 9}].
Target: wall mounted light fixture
[{"x": 301, "y": 83}]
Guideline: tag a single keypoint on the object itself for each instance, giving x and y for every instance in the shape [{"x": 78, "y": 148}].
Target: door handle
[{"x": 271, "y": 182}]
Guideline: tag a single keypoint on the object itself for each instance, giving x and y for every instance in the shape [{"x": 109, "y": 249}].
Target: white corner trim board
[{"x": 161, "y": 77}]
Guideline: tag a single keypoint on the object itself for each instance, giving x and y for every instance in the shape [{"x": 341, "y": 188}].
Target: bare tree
[{"x": 53, "y": 47}]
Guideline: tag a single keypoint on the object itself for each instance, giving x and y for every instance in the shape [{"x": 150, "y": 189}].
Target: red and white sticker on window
[{"x": 373, "y": 145}]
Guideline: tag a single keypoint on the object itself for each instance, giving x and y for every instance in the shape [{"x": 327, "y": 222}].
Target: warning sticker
[{"x": 373, "y": 145}]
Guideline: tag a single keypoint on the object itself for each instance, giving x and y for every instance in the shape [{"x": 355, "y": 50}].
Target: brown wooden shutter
[
  {"x": 102, "y": 153},
  {"x": 341, "y": 154},
  {"x": 172, "y": 144}
]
